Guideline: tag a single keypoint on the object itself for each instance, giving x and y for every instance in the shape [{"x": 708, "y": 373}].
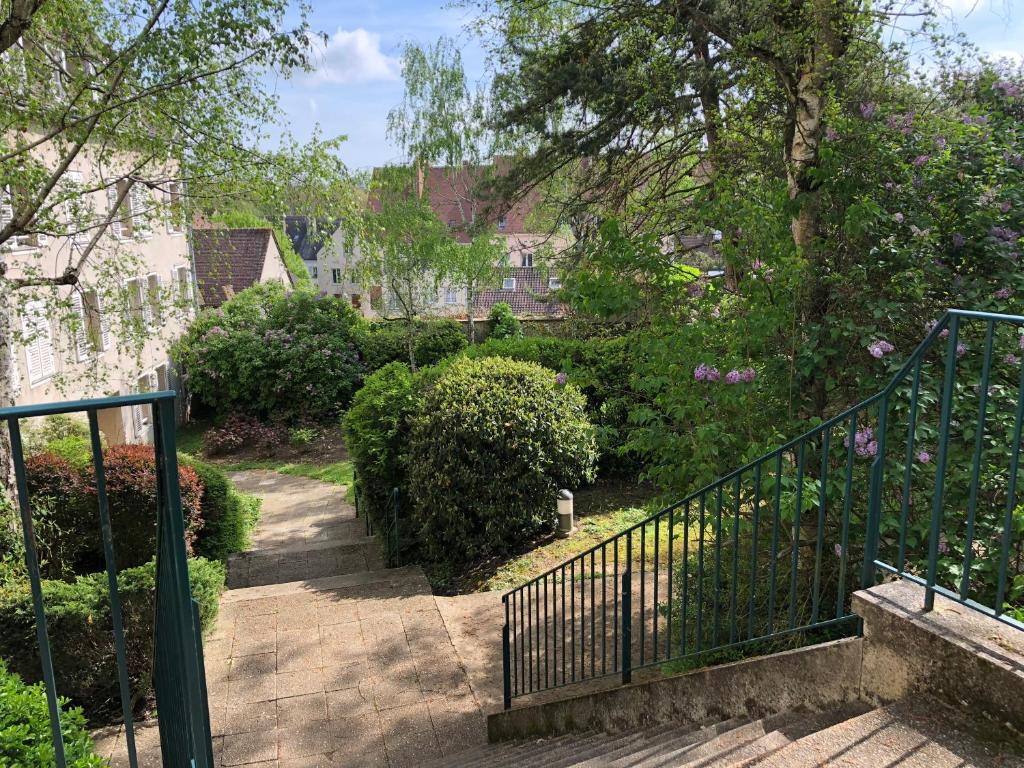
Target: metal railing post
[
  {"x": 871, "y": 539},
  {"x": 627, "y": 621},
  {"x": 394, "y": 527},
  {"x": 506, "y": 658}
]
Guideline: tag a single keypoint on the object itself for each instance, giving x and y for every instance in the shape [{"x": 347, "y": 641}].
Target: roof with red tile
[
  {"x": 530, "y": 298},
  {"x": 228, "y": 261}
]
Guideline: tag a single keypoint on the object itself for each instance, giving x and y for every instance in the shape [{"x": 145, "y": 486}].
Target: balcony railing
[
  {"x": 178, "y": 673},
  {"x": 919, "y": 481}
]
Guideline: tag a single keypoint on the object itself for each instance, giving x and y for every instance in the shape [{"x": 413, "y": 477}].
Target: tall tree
[{"x": 442, "y": 120}]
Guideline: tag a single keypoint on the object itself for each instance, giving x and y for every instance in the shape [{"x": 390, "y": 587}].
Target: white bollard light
[{"x": 565, "y": 517}]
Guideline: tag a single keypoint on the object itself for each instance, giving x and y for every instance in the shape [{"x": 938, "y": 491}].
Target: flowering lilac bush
[{"x": 271, "y": 353}]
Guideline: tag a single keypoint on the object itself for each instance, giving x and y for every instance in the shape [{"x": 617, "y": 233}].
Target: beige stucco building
[{"x": 111, "y": 333}]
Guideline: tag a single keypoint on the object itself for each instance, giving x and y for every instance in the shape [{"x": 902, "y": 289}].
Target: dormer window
[
  {"x": 554, "y": 283},
  {"x": 527, "y": 259},
  {"x": 502, "y": 223},
  {"x": 508, "y": 284}
]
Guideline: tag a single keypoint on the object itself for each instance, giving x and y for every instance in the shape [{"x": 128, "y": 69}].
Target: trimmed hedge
[
  {"x": 78, "y": 619},
  {"x": 229, "y": 515},
  {"x": 435, "y": 340},
  {"x": 25, "y": 739},
  {"x": 490, "y": 444}
]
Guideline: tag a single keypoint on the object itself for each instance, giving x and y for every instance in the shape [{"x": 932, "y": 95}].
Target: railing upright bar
[
  {"x": 755, "y": 529},
  {"x": 506, "y": 661},
  {"x": 32, "y": 564},
  {"x": 604, "y": 610},
  {"x": 908, "y": 466},
  {"x": 671, "y": 577},
  {"x": 774, "y": 566},
  {"x": 844, "y": 541},
  {"x": 871, "y": 538},
  {"x": 686, "y": 580},
  {"x": 656, "y": 579},
  {"x": 615, "y": 608},
  {"x": 979, "y": 442},
  {"x": 735, "y": 560},
  {"x": 547, "y": 657},
  {"x": 795, "y": 555},
  {"x": 819, "y": 546},
  {"x": 1011, "y": 497},
  {"x": 593, "y": 618},
  {"x": 940, "y": 463},
  {"x": 110, "y": 562},
  {"x": 572, "y": 615},
  {"x": 700, "y": 573},
  {"x": 627, "y": 615},
  {"x": 716, "y": 594},
  {"x": 643, "y": 592}
]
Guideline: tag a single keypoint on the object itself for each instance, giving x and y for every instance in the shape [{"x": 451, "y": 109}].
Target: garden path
[{"x": 320, "y": 656}]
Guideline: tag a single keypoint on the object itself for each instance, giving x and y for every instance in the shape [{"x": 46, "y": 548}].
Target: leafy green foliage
[
  {"x": 271, "y": 353},
  {"x": 78, "y": 616},
  {"x": 504, "y": 325},
  {"x": 491, "y": 442},
  {"x": 433, "y": 341},
  {"x": 229, "y": 516},
  {"x": 376, "y": 434},
  {"x": 25, "y": 736}
]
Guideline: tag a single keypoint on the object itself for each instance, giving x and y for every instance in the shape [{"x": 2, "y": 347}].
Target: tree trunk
[
  {"x": 803, "y": 140},
  {"x": 469, "y": 313},
  {"x": 7, "y": 383},
  {"x": 410, "y": 337}
]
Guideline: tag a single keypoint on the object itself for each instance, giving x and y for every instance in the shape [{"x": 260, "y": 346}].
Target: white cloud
[{"x": 352, "y": 57}]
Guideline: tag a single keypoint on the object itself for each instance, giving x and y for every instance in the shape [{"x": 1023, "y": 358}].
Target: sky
[{"x": 358, "y": 71}]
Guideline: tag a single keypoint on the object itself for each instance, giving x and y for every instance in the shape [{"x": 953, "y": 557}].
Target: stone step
[
  {"x": 923, "y": 734},
  {"x": 408, "y": 576},
  {"x": 284, "y": 551}
]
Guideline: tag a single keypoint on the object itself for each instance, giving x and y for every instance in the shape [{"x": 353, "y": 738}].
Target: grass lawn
[
  {"x": 339, "y": 472},
  {"x": 601, "y": 512}
]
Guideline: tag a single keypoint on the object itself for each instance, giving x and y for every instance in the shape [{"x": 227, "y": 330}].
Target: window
[
  {"x": 154, "y": 295},
  {"x": 452, "y": 223},
  {"x": 142, "y": 415},
  {"x": 313, "y": 271},
  {"x": 182, "y": 280},
  {"x": 508, "y": 284},
  {"x": 120, "y": 224},
  {"x": 336, "y": 276},
  {"x": 138, "y": 307},
  {"x": 451, "y": 296},
  {"x": 554, "y": 283},
  {"x": 38, "y": 342},
  {"x": 163, "y": 381},
  {"x": 83, "y": 344},
  {"x": 76, "y": 207},
  {"x": 172, "y": 208},
  {"x": 33, "y": 240},
  {"x": 59, "y": 61},
  {"x": 357, "y": 301},
  {"x": 527, "y": 258},
  {"x": 139, "y": 200},
  {"x": 502, "y": 223}
]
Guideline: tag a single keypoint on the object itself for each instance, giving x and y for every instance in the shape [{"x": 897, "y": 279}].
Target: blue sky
[{"x": 358, "y": 77}]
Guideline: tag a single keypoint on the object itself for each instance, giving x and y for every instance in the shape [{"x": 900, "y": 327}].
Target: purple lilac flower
[
  {"x": 867, "y": 109},
  {"x": 871, "y": 448},
  {"x": 830, "y": 134},
  {"x": 898, "y": 217},
  {"x": 748, "y": 375},
  {"x": 920, "y": 160},
  {"x": 944, "y": 333},
  {"x": 893, "y": 122},
  {"x": 961, "y": 349},
  {"x": 879, "y": 349},
  {"x": 943, "y": 544},
  {"x": 1005, "y": 206},
  {"x": 1008, "y": 89},
  {"x": 838, "y": 549},
  {"x": 732, "y": 377},
  {"x": 1011, "y": 359},
  {"x": 924, "y": 457},
  {"x": 713, "y": 374},
  {"x": 1021, "y": 344},
  {"x": 757, "y": 265},
  {"x": 561, "y": 379},
  {"x": 700, "y": 373},
  {"x": 940, "y": 142},
  {"x": 1003, "y": 293}
]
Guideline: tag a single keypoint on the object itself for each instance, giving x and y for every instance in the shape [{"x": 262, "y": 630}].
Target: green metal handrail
[
  {"x": 179, "y": 676},
  {"x": 636, "y": 600}
]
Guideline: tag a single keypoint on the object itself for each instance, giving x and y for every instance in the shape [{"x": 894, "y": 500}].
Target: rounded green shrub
[
  {"x": 229, "y": 515},
  {"x": 79, "y": 623},
  {"x": 271, "y": 353},
  {"x": 376, "y": 435},
  {"x": 491, "y": 442},
  {"x": 433, "y": 341},
  {"x": 25, "y": 739},
  {"x": 504, "y": 325}
]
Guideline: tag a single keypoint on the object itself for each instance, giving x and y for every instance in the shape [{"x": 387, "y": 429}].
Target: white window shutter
[
  {"x": 115, "y": 224},
  {"x": 137, "y": 197},
  {"x": 39, "y": 346},
  {"x": 82, "y": 344},
  {"x": 154, "y": 297},
  {"x": 103, "y": 323}
]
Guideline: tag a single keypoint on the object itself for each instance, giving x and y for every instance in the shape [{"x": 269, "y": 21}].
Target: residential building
[
  {"x": 228, "y": 261},
  {"x": 330, "y": 254},
  {"x": 111, "y": 333}
]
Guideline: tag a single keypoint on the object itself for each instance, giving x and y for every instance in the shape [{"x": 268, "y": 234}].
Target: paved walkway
[{"x": 320, "y": 657}]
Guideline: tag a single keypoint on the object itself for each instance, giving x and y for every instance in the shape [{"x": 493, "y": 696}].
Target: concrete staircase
[{"x": 926, "y": 734}]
